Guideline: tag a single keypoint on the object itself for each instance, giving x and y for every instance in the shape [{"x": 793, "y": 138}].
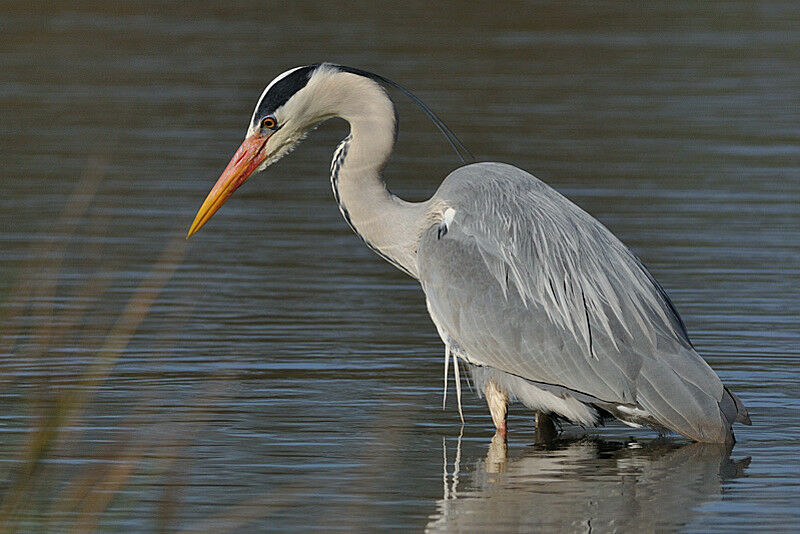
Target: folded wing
[{"x": 526, "y": 282}]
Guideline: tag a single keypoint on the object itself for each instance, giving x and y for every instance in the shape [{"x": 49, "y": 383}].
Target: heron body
[{"x": 538, "y": 299}]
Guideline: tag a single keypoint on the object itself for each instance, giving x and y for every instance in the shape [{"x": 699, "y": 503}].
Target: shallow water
[{"x": 285, "y": 377}]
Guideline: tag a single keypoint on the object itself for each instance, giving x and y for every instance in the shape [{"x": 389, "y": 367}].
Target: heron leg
[
  {"x": 545, "y": 431},
  {"x": 497, "y": 399}
]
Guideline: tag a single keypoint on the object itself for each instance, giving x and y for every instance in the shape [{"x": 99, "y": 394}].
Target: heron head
[
  {"x": 297, "y": 101},
  {"x": 286, "y": 111}
]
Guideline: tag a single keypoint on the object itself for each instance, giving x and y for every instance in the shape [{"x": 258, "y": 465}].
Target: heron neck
[{"x": 389, "y": 225}]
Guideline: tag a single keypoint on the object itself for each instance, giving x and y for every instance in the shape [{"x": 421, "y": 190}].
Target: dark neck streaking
[{"x": 339, "y": 157}]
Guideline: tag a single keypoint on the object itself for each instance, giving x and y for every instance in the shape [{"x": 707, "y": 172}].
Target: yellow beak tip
[{"x": 246, "y": 159}]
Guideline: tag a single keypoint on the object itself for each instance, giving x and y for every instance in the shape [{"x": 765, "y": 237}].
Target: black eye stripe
[{"x": 283, "y": 90}]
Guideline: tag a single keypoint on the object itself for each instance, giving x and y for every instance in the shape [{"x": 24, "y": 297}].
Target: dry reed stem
[
  {"x": 87, "y": 496},
  {"x": 56, "y": 417},
  {"x": 37, "y": 287}
]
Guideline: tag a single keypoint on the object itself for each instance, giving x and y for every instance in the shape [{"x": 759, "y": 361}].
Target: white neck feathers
[{"x": 387, "y": 223}]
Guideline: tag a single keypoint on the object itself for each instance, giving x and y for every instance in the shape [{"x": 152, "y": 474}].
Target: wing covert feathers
[{"x": 527, "y": 283}]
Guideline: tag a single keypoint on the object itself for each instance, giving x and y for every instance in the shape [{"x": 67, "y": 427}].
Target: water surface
[{"x": 286, "y": 378}]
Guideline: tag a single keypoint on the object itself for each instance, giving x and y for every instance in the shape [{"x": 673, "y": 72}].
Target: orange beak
[{"x": 246, "y": 160}]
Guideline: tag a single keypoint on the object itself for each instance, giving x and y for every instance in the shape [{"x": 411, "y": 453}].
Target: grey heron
[{"x": 539, "y": 300}]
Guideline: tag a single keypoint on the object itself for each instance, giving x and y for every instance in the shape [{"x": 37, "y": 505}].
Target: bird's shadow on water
[{"x": 583, "y": 484}]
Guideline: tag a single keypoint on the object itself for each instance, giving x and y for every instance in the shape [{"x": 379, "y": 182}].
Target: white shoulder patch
[
  {"x": 449, "y": 214},
  {"x": 447, "y": 220}
]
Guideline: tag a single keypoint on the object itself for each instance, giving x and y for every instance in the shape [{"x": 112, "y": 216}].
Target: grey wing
[{"x": 527, "y": 283}]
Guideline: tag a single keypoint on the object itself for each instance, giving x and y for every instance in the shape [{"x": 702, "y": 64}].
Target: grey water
[{"x": 285, "y": 378}]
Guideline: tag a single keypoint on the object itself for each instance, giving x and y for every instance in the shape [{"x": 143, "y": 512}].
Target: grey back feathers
[{"x": 531, "y": 286}]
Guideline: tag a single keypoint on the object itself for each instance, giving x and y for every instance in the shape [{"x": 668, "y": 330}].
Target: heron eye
[{"x": 269, "y": 122}]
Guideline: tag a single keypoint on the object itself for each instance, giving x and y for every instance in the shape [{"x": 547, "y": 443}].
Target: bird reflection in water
[{"x": 584, "y": 485}]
